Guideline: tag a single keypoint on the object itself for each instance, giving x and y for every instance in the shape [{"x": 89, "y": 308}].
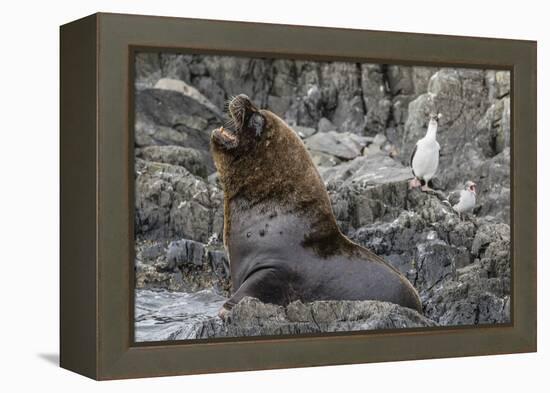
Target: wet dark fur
[{"x": 270, "y": 172}]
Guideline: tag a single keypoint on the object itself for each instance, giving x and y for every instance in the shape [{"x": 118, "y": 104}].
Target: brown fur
[{"x": 279, "y": 169}]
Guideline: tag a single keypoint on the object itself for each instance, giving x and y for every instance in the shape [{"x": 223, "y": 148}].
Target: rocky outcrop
[
  {"x": 171, "y": 202},
  {"x": 455, "y": 265},
  {"x": 181, "y": 265},
  {"x": 474, "y": 131},
  {"x": 360, "y": 122},
  {"x": 195, "y": 161},
  {"x": 176, "y": 114},
  {"x": 250, "y": 317},
  {"x": 345, "y": 146}
]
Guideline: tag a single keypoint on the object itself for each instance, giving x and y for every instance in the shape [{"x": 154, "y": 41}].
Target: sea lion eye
[{"x": 256, "y": 123}]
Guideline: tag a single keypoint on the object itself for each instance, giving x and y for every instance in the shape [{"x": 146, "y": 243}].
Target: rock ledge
[{"x": 251, "y": 317}]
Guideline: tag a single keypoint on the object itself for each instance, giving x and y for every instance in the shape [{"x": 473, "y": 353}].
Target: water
[{"x": 163, "y": 315}]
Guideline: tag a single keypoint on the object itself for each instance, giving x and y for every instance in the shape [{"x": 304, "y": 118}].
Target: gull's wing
[
  {"x": 412, "y": 157},
  {"x": 454, "y": 197}
]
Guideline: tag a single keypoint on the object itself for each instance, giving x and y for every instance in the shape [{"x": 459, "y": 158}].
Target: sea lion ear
[{"x": 256, "y": 123}]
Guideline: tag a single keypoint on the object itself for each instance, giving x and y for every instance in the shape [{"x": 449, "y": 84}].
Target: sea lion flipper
[{"x": 267, "y": 284}]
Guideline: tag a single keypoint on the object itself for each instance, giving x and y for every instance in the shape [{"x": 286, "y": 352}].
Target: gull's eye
[{"x": 256, "y": 123}]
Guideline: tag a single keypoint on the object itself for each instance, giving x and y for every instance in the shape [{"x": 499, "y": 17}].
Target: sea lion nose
[
  {"x": 243, "y": 100},
  {"x": 240, "y": 101}
]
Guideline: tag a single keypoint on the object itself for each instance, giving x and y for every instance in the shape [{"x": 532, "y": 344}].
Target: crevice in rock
[
  {"x": 390, "y": 120},
  {"x": 361, "y": 92},
  {"x": 311, "y": 312}
]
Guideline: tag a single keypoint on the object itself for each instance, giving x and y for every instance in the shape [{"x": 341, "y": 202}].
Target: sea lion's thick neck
[
  {"x": 278, "y": 167},
  {"x": 277, "y": 172}
]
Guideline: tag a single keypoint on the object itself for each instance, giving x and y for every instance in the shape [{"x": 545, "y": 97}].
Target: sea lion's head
[
  {"x": 245, "y": 128},
  {"x": 256, "y": 150}
]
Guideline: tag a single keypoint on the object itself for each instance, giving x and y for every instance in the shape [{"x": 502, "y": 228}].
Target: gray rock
[
  {"x": 304, "y": 92},
  {"x": 488, "y": 234},
  {"x": 184, "y": 119},
  {"x": 150, "y": 252},
  {"x": 427, "y": 242},
  {"x": 304, "y": 132},
  {"x": 152, "y": 276},
  {"x": 173, "y": 203},
  {"x": 250, "y": 317},
  {"x": 219, "y": 262},
  {"x": 461, "y": 268},
  {"x": 152, "y": 66},
  {"x": 494, "y": 128},
  {"x": 321, "y": 159},
  {"x": 365, "y": 171},
  {"x": 342, "y": 145},
  {"x": 480, "y": 294},
  {"x": 366, "y": 189},
  {"x": 493, "y": 183},
  {"x": 147, "y": 133},
  {"x": 187, "y": 91},
  {"x": 195, "y": 161},
  {"x": 240, "y": 75},
  {"x": 341, "y": 84},
  {"x": 211, "y": 90},
  {"x": 400, "y": 80},
  {"x": 176, "y": 66},
  {"x": 147, "y": 69},
  {"x": 181, "y": 265},
  {"x": 498, "y": 83},
  {"x": 376, "y": 97},
  {"x": 183, "y": 252},
  {"x": 421, "y": 78},
  {"x": 379, "y": 139},
  {"x": 325, "y": 125}
]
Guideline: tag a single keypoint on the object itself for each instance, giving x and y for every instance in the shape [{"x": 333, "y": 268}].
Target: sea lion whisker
[
  {"x": 230, "y": 123},
  {"x": 227, "y": 103}
]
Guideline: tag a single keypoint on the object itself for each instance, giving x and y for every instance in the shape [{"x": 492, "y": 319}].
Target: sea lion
[{"x": 279, "y": 229}]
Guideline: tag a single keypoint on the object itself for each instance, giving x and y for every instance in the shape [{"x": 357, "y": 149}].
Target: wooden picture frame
[{"x": 97, "y": 196}]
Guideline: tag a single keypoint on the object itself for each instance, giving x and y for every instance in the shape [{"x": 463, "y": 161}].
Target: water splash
[{"x": 163, "y": 315}]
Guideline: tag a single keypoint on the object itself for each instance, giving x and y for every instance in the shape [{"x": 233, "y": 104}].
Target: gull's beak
[{"x": 435, "y": 116}]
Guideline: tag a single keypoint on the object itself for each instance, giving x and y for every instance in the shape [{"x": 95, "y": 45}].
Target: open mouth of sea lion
[
  {"x": 225, "y": 137},
  {"x": 240, "y": 109}
]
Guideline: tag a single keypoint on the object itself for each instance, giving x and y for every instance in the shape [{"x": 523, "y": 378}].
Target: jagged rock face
[
  {"x": 474, "y": 129},
  {"x": 171, "y": 203},
  {"x": 195, "y": 161},
  {"x": 460, "y": 268},
  {"x": 366, "y": 189},
  {"x": 360, "y": 122},
  {"x": 344, "y": 146},
  {"x": 181, "y": 265},
  {"x": 250, "y": 317}
]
